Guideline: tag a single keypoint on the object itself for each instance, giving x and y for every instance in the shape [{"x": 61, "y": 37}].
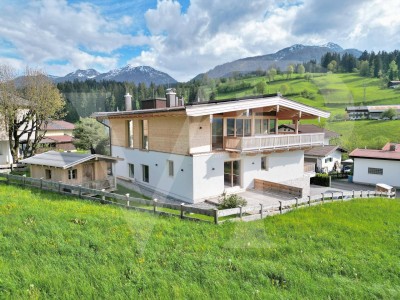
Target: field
[
  {"x": 56, "y": 247},
  {"x": 333, "y": 92}
]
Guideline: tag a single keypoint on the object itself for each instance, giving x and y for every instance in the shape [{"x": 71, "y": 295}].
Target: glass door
[
  {"x": 217, "y": 133},
  {"x": 232, "y": 173}
]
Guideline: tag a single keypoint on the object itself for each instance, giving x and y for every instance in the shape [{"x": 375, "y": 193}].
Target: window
[
  {"x": 131, "y": 170},
  {"x": 170, "y": 167},
  {"x": 375, "y": 171},
  {"x": 47, "y": 174},
  {"x": 264, "y": 163},
  {"x": 329, "y": 159},
  {"x": 72, "y": 174},
  {"x": 145, "y": 173},
  {"x": 261, "y": 126},
  {"x": 145, "y": 134},
  {"x": 272, "y": 125},
  {"x": 129, "y": 125},
  {"x": 238, "y": 127}
]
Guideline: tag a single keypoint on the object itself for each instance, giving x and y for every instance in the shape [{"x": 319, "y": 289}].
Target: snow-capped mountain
[
  {"x": 128, "y": 73},
  {"x": 80, "y": 75},
  {"x": 139, "y": 74},
  {"x": 295, "y": 54}
]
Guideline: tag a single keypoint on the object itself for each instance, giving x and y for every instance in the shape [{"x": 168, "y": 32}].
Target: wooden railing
[
  {"x": 247, "y": 213},
  {"x": 272, "y": 141}
]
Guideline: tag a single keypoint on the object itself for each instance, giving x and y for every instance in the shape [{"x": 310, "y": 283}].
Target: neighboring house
[
  {"x": 88, "y": 170},
  {"x": 377, "y": 166},
  {"x": 369, "y": 112},
  {"x": 326, "y": 158},
  {"x": 198, "y": 151},
  {"x": 394, "y": 84},
  {"x": 59, "y": 136},
  {"x": 308, "y": 128}
]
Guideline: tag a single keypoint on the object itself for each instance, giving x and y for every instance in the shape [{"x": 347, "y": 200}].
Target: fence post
[
  {"x": 182, "y": 210},
  {"x": 368, "y": 194},
  {"x": 23, "y": 180},
  {"x": 240, "y": 211},
  {"x": 80, "y": 191},
  {"x": 309, "y": 200},
  {"x": 8, "y": 178},
  {"x": 322, "y": 198},
  {"x": 155, "y": 205},
  {"x": 103, "y": 198},
  {"x": 41, "y": 183},
  {"x": 215, "y": 216},
  {"x": 297, "y": 202},
  {"x": 59, "y": 187},
  {"x": 127, "y": 200},
  {"x": 280, "y": 206},
  {"x": 342, "y": 196},
  {"x": 261, "y": 210},
  {"x": 353, "y": 194},
  {"x": 332, "y": 197},
  {"x": 361, "y": 194}
]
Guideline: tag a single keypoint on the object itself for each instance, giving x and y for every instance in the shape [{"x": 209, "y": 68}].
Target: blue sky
[{"x": 182, "y": 37}]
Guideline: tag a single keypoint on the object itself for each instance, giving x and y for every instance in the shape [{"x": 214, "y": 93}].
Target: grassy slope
[
  {"x": 54, "y": 247},
  {"x": 333, "y": 92}
]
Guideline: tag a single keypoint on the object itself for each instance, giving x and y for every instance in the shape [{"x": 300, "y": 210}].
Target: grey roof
[
  {"x": 323, "y": 151},
  {"x": 63, "y": 160}
]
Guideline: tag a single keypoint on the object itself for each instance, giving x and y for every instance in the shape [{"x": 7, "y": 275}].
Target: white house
[
  {"x": 327, "y": 158},
  {"x": 196, "y": 151},
  {"x": 377, "y": 166}
]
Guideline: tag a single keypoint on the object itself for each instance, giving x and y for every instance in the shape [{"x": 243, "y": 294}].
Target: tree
[
  {"x": 271, "y": 74},
  {"x": 289, "y": 71},
  {"x": 300, "y": 69},
  {"x": 260, "y": 87},
  {"x": 391, "y": 113},
  {"x": 364, "y": 68},
  {"x": 393, "y": 69},
  {"x": 284, "y": 88},
  {"x": 27, "y": 108},
  {"x": 90, "y": 134}
]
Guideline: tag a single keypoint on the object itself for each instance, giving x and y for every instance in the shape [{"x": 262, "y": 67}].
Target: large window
[
  {"x": 375, "y": 171},
  {"x": 170, "y": 167},
  {"x": 145, "y": 134},
  {"x": 129, "y": 125},
  {"x": 217, "y": 133},
  {"x": 145, "y": 173},
  {"x": 72, "y": 174},
  {"x": 261, "y": 126},
  {"x": 131, "y": 168},
  {"x": 238, "y": 127}
]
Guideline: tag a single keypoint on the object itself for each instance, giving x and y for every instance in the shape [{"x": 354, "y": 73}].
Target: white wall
[
  {"x": 391, "y": 171},
  {"x": 5, "y": 153},
  {"x": 336, "y": 157},
  {"x": 179, "y": 186}
]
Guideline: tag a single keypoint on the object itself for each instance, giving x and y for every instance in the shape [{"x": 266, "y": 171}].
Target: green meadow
[{"x": 58, "y": 247}]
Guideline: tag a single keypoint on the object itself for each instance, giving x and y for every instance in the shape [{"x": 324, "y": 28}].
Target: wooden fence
[{"x": 247, "y": 213}]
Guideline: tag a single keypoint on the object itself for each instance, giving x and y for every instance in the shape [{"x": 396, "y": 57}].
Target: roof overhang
[{"x": 229, "y": 106}]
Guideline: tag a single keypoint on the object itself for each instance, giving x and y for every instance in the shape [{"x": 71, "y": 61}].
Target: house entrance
[{"x": 232, "y": 173}]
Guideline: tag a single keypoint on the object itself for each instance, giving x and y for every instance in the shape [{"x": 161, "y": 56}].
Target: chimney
[
  {"x": 172, "y": 99},
  {"x": 392, "y": 147},
  {"x": 128, "y": 102}
]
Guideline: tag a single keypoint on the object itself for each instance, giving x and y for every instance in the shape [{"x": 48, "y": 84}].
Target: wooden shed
[{"x": 89, "y": 170}]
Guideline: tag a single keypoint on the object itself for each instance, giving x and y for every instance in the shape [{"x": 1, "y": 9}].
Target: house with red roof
[
  {"x": 58, "y": 136},
  {"x": 377, "y": 166}
]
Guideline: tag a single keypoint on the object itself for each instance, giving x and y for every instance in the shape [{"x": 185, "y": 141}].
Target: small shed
[
  {"x": 89, "y": 170},
  {"x": 385, "y": 188}
]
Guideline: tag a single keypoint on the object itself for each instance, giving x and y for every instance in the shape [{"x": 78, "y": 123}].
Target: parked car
[{"x": 347, "y": 169}]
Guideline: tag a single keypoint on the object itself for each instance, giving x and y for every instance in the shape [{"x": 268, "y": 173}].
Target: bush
[
  {"x": 231, "y": 201},
  {"x": 321, "y": 179}
]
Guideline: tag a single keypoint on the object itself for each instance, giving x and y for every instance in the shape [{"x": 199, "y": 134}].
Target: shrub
[
  {"x": 321, "y": 179},
  {"x": 231, "y": 201}
]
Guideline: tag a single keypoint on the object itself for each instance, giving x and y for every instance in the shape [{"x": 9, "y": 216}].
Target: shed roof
[
  {"x": 64, "y": 160},
  {"x": 58, "y": 125},
  {"x": 375, "y": 154},
  {"x": 323, "y": 151}
]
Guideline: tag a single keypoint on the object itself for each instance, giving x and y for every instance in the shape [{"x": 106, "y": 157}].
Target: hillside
[{"x": 54, "y": 247}]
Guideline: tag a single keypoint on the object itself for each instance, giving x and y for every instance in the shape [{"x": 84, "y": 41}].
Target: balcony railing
[{"x": 273, "y": 141}]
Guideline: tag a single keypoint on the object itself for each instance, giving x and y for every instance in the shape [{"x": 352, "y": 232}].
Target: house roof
[
  {"x": 323, "y": 151},
  {"x": 57, "y": 139},
  {"x": 375, "y": 154},
  {"x": 310, "y": 128},
  {"x": 286, "y": 108},
  {"x": 63, "y": 160},
  {"x": 58, "y": 125}
]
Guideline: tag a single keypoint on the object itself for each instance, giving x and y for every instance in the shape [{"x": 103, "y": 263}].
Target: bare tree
[{"x": 27, "y": 107}]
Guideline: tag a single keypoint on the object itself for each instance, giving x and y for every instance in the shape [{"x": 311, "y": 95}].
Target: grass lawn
[{"x": 55, "y": 247}]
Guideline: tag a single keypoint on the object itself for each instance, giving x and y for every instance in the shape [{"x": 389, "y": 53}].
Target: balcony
[{"x": 272, "y": 142}]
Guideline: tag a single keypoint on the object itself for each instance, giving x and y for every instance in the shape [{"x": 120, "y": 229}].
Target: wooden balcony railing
[{"x": 273, "y": 141}]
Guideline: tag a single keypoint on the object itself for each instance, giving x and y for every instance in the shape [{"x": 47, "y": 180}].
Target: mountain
[
  {"x": 295, "y": 54},
  {"x": 128, "y": 73},
  {"x": 143, "y": 74},
  {"x": 80, "y": 75}
]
